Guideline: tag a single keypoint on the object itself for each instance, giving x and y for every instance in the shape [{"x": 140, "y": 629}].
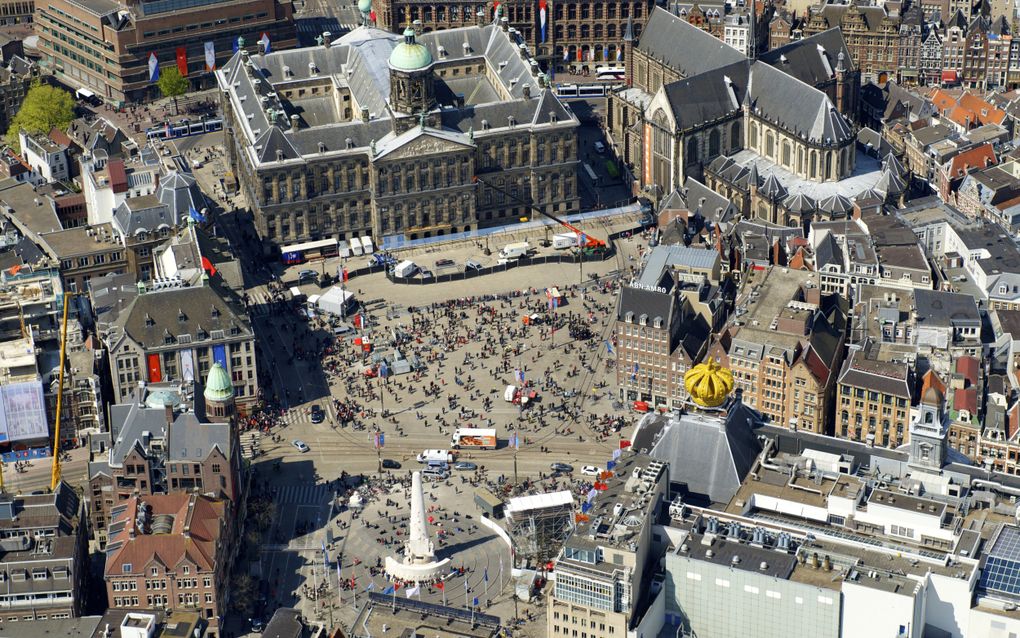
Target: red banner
[
  {"x": 155, "y": 373},
  {"x": 182, "y": 61}
]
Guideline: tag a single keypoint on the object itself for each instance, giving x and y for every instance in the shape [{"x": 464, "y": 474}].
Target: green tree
[
  {"x": 172, "y": 84},
  {"x": 44, "y": 107}
]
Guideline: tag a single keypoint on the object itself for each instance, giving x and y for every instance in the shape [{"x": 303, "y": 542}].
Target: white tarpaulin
[{"x": 24, "y": 412}]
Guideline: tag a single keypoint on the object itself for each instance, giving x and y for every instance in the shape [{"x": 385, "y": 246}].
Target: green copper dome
[
  {"x": 365, "y": 6},
  {"x": 409, "y": 55},
  {"x": 158, "y": 399},
  {"x": 217, "y": 385}
]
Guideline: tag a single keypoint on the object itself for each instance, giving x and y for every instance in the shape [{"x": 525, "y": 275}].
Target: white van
[
  {"x": 435, "y": 455},
  {"x": 515, "y": 251}
]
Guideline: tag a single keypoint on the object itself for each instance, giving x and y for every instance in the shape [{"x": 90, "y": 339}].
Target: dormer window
[
  {"x": 167, "y": 337},
  {"x": 215, "y": 312},
  {"x": 657, "y": 322},
  {"x": 629, "y": 317},
  {"x": 181, "y": 316},
  {"x": 1003, "y": 290},
  {"x": 149, "y": 321},
  {"x": 643, "y": 320}
]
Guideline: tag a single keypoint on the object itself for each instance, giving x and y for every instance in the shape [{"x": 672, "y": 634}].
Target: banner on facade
[
  {"x": 187, "y": 365},
  {"x": 155, "y": 371},
  {"x": 182, "y": 61}
]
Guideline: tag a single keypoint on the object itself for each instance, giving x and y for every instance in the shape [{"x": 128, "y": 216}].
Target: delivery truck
[
  {"x": 515, "y": 251},
  {"x": 404, "y": 269},
  {"x": 474, "y": 438},
  {"x": 356, "y": 248},
  {"x": 564, "y": 240},
  {"x": 436, "y": 455}
]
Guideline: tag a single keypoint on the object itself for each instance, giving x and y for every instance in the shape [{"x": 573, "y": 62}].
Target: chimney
[
  {"x": 168, "y": 411},
  {"x": 364, "y": 114},
  {"x": 504, "y": 23},
  {"x": 526, "y": 90},
  {"x": 294, "y": 119}
]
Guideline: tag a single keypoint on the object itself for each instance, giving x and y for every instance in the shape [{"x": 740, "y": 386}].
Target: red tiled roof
[
  {"x": 968, "y": 367},
  {"x": 201, "y": 516},
  {"x": 966, "y": 399},
  {"x": 118, "y": 176},
  {"x": 978, "y": 157},
  {"x": 60, "y": 137}
]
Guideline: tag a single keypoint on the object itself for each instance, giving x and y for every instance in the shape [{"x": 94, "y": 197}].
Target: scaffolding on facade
[{"x": 539, "y": 525}]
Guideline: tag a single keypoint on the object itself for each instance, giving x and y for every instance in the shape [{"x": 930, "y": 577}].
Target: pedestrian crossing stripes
[
  {"x": 250, "y": 440},
  {"x": 317, "y": 494}
]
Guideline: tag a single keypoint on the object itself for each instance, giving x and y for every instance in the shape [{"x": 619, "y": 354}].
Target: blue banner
[
  {"x": 24, "y": 455},
  {"x": 219, "y": 355}
]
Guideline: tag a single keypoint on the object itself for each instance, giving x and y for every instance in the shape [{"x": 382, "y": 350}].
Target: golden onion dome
[{"x": 708, "y": 384}]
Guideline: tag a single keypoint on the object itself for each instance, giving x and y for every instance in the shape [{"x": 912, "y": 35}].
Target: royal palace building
[{"x": 329, "y": 141}]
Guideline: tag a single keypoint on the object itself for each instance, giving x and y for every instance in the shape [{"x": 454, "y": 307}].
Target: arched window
[
  {"x": 830, "y": 160},
  {"x": 692, "y": 151},
  {"x": 786, "y": 153},
  {"x": 713, "y": 143},
  {"x": 770, "y": 145},
  {"x": 800, "y": 159},
  {"x": 735, "y": 141},
  {"x": 754, "y": 135},
  {"x": 814, "y": 164}
]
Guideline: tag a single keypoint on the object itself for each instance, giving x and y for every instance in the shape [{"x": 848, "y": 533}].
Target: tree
[
  {"x": 242, "y": 594},
  {"x": 44, "y": 108},
  {"x": 172, "y": 84}
]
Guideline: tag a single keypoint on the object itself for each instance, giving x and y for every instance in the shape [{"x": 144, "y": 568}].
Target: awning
[{"x": 949, "y": 76}]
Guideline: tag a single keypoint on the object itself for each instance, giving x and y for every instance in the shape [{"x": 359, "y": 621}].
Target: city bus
[
  {"x": 591, "y": 174},
  {"x": 610, "y": 73},
  {"x": 310, "y": 250}
]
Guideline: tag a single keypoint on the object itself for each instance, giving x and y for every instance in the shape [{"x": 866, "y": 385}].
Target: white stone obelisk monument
[
  {"x": 419, "y": 549},
  {"x": 419, "y": 563}
]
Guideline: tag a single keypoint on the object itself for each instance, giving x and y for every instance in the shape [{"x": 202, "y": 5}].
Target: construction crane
[
  {"x": 55, "y": 477},
  {"x": 590, "y": 243}
]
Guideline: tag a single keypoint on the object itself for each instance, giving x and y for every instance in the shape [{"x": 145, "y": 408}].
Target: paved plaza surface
[{"x": 471, "y": 341}]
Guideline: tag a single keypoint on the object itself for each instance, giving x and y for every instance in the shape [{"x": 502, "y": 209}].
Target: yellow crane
[{"x": 55, "y": 477}]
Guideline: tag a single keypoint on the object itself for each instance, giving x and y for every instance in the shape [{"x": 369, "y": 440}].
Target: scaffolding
[{"x": 539, "y": 525}]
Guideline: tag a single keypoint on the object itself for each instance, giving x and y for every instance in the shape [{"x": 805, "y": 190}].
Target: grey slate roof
[
  {"x": 890, "y": 183},
  {"x": 700, "y": 199},
  {"x": 150, "y": 317},
  {"x": 180, "y": 191},
  {"x": 663, "y": 257},
  {"x": 710, "y": 455},
  {"x": 796, "y": 106},
  {"x": 773, "y": 188},
  {"x": 828, "y": 252},
  {"x": 799, "y": 203},
  {"x": 945, "y": 309},
  {"x": 683, "y": 46},
  {"x": 811, "y": 60},
  {"x": 186, "y": 438},
  {"x": 708, "y": 97},
  {"x": 143, "y": 214},
  {"x": 835, "y": 204},
  {"x": 644, "y": 302}
]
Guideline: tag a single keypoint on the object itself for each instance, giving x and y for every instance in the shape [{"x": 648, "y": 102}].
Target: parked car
[
  {"x": 600, "y": 148},
  {"x": 442, "y": 263},
  {"x": 390, "y": 464},
  {"x": 435, "y": 473},
  {"x": 471, "y": 264},
  {"x": 425, "y": 273},
  {"x": 466, "y": 466},
  {"x": 561, "y": 467},
  {"x": 300, "y": 445},
  {"x": 307, "y": 274},
  {"x": 318, "y": 416},
  {"x": 590, "y": 470}
]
